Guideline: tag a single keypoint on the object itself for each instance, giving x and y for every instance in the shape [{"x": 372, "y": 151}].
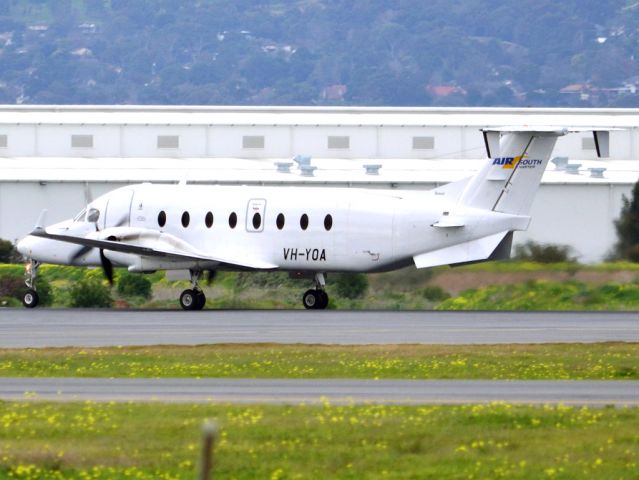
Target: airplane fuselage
[{"x": 292, "y": 228}]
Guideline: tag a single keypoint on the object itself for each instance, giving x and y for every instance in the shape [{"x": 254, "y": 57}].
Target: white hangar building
[{"x": 58, "y": 157}]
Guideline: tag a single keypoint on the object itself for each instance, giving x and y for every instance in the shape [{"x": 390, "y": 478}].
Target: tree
[
  {"x": 627, "y": 227},
  {"x": 8, "y": 252}
]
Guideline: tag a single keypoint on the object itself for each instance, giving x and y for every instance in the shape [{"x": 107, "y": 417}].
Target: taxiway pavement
[{"x": 317, "y": 391}]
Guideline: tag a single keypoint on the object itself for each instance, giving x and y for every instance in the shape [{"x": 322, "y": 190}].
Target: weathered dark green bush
[
  {"x": 134, "y": 285},
  {"x": 350, "y": 285},
  {"x": 12, "y": 286},
  {"x": 544, "y": 252},
  {"x": 90, "y": 293},
  {"x": 8, "y": 252},
  {"x": 435, "y": 293}
]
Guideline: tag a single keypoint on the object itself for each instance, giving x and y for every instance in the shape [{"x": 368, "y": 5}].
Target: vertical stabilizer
[{"x": 508, "y": 181}]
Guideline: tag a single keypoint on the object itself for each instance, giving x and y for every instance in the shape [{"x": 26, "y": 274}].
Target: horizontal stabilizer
[{"x": 480, "y": 249}]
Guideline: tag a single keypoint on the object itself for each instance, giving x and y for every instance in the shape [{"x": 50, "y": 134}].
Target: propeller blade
[
  {"x": 80, "y": 252},
  {"x": 210, "y": 277},
  {"x": 107, "y": 267}
]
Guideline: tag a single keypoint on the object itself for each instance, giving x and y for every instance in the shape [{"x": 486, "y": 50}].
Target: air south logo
[
  {"x": 519, "y": 161},
  {"x": 507, "y": 162}
]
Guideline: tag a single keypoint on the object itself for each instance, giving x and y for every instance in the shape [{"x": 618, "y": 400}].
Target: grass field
[
  {"x": 157, "y": 441},
  {"x": 517, "y": 285},
  {"x": 547, "y": 361}
]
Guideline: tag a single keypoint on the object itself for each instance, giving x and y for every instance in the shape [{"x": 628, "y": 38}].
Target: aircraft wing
[{"x": 175, "y": 252}]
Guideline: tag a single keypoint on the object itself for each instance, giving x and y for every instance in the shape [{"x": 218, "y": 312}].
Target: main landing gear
[
  {"x": 193, "y": 298},
  {"x": 316, "y": 298},
  {"x": 30, "y": 299}
]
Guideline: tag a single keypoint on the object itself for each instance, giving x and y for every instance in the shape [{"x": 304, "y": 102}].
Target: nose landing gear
[
  {"x": 30, "y": 299},
  {"x": 316, "y": 298},
  {"x": 193, "y": 298}
]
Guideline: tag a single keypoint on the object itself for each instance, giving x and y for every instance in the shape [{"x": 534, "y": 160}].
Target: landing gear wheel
[
  {"x": 200, "y": 300},
  {"x": 323, "y": 303},
  {"x": 30, "y": 298},
  {"x": 188, "y": 300},
  {"x": 311, "y": 299}
]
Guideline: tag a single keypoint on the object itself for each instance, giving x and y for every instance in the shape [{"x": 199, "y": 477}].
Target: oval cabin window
[
  {"x": 162, "y": 218},
  {"x": 208, "y": 220},
  {"x": 328, "y": 222},
  {"x": 232, "y": 220},
  {"x": 186, "y": 218},
  {"x": 304, "y": 222},
  {"x": 280, "y": 221},
  {"x": 257, "y": 221}
]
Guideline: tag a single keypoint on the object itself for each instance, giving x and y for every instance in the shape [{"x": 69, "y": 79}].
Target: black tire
[
  {"x": 311, "y": 299},
  {"x": 200, "y": 300},
  {"x": 323, "y": 303},
  {"x": 188, "y": 300},
  {"x": 30, "y": 299}
]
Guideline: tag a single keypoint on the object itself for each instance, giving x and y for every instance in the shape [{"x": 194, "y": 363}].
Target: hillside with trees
[{"x": 320, "y": 52}]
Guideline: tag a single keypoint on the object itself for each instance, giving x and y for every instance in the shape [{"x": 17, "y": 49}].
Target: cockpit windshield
[{"x": 80, "y": 216}]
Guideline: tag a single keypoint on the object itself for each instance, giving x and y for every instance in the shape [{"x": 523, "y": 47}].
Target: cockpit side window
[
  {"x": 93, "y": 215},
  {"x": 80, "y": 216}
]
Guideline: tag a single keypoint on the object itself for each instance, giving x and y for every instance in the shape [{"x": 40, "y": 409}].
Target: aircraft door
[
  {"x": 255, "y": 215},
  {"x": 118, "y": 209}
]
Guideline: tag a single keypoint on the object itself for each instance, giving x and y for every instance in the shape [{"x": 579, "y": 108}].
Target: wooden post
[{"x": 209, "y": 430}]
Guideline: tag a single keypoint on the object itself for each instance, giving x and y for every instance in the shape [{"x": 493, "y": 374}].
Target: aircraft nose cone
[{"x": 24, "y": 246}]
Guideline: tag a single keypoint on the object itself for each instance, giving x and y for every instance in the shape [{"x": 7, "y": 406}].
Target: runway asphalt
[
  {"x": 316, "y": 391},
  {"x": 57, "y": 328}
]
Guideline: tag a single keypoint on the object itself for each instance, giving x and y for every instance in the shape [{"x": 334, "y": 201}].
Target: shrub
[
  {"x": 8, "y": 252},
  {"x": 134, "y": 285},
  {"x": 435, "y": 293},
  {"x": 12, "y": 286},
  {"x": 91, "y": 293},
  {"x": 544, "y": 252},
  {"x": 351, "y": 285}
]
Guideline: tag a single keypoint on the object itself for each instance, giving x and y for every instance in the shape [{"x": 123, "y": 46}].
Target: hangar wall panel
[
  {"x": 57, "y": 141},
  {"x": 314, "y": 141},
  {"x": 578, "y": 215},
  {"x": 144, "y": 141},
  {"x": 20, "y": 140},
  {"x": 230, "y": 141}
]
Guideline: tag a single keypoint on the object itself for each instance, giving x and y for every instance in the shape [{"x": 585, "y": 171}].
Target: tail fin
[{"x": 507, "y": 183}]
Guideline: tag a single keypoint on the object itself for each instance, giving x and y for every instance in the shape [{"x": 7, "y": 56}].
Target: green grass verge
[
  {"x": 406, "y": 289},
  {"x": 545, "y": 361},
  {"x": 158, "y": 441},
  {"x": 544, "y": 295}
]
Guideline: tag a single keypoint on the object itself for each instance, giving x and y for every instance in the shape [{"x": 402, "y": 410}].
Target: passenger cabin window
[
  {"x": 304, "y": 222},
  {"x": 162, "y": 218},
  {"x": 328, "y": 222},
  {"x": 257, "y": 221},
  {"x": 186, "y": 218},
  {"x": 81, "y": 141},
  {"x": 208, "y": 220},
  {"x": 232, "y": 219},
  {"x": 280, "y": 221}
]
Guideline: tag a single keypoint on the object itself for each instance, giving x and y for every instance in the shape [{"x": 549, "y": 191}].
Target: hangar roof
[
  {"x": 342, "y": 116},
  {"x": 239, "y": 171}
]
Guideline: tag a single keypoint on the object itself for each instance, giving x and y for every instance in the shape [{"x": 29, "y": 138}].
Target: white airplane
[{"x": 307, "y": 231}]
